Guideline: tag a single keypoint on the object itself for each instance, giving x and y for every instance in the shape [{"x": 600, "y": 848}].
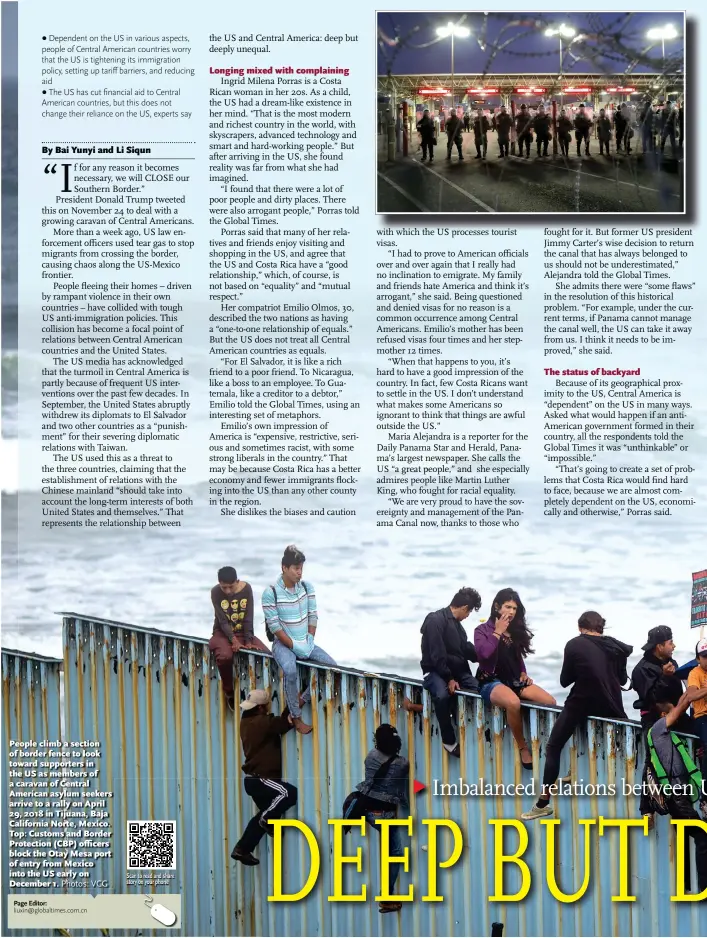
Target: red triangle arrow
[{"x": 417, "y": 787}]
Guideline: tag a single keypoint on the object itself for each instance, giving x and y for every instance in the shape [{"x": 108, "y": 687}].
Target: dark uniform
[
  {"x": 481, "y": 128},
  {"x": 426, "y": 129},
  {"x": 504, "y": 122},
  {"x": 453, "y": 128},
  {"x": 582, "y": 127},
  {"x": 667, "y": 127},
  {"x": 603, "y": 132},
  {"x": 646, "y": 121},
  {"x": 541, "y": 125},
  {"x": 564, "y": 134},
  {"x": 524, "y": 124},
  {"x": 620, "y": 128}
]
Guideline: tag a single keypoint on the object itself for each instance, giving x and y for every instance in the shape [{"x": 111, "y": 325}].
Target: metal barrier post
[{"x": 391, "y": 137}]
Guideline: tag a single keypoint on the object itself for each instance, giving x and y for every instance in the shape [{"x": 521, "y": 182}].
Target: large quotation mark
[{"x": 52, "y": 169}]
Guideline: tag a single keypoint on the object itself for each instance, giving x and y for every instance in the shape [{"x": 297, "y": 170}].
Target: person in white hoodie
[{"x": 290, "y": 610}]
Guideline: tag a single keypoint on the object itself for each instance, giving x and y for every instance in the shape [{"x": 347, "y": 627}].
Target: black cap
[
  {"x": 658, "y": 635},
  {"x": 388, "y": 739}
]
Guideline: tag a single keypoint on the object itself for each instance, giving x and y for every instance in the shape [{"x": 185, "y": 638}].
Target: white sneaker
[{"x": 536, "y": 812}]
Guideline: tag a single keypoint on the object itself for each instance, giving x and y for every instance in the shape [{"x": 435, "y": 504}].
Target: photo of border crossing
[{"x": 524, "y": 113}]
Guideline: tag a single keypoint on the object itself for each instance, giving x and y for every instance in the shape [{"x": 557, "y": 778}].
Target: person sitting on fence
[
  {"x": 232, "y": 600},
  {"x": 502, "y": 643},
  {"x": 446, "y": 653},
  {"x": 595, "y": 665},
  {"x": 384, "y": 790},
  {"x": 261, "y": 738},
  {"x": 290, "y": 610}
]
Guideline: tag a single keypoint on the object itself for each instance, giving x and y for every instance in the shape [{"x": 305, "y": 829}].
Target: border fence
[{"x": 170, "y": 751}]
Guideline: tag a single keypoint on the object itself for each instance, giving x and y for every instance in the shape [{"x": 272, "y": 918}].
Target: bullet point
[
  {"x": 44, "y": 37},
  {"x": 44, "y": 92}
]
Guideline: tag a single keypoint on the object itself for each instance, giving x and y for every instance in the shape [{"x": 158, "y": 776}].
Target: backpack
[
  {"x": 268, "y": 631},
  {"x": 662, "y": 776},
  {"x": 355, "y": 803}
]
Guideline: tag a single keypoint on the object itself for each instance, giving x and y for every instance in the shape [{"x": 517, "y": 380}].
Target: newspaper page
[{"x": 353, "y": 470}]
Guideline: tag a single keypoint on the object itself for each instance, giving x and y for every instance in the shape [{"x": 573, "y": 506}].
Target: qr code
[{"x": 152, "y": 845}]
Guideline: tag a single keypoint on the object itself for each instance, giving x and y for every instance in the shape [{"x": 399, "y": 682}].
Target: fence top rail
[
  {"x": 131, "y": 627},
  {"x": 199, "y": 640},
  {"x": 34, "y": 656},
  {"x": 354, "y": 672}
]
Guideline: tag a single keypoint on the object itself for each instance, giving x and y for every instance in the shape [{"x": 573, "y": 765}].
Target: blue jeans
[
  {"x": 444, "y": 701},
  {"x": 287, "y": 660},
  {"x": 487, "y": 690},
  {"x": 394, "y": 841}
]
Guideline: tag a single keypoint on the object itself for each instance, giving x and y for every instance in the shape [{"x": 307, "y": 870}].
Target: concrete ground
[{"x": 640, "y": 182}]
